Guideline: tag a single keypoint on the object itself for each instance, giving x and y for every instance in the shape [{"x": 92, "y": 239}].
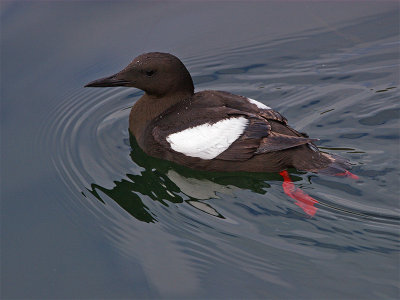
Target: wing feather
[{"x": 261, "y": 130}]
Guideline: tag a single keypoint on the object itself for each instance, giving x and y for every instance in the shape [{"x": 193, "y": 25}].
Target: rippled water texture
[{"x": 161, "y": 230}]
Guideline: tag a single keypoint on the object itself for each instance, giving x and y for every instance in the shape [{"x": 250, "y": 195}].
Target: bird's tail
[
  {"x": 338, "y": 166},
  {"x": 309, "y": 158}
]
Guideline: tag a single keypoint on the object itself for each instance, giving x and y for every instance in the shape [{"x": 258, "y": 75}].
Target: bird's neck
[{"x": 148, "y": 108}]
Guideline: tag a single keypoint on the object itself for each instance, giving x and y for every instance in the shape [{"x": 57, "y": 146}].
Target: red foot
[
  {"x": 303, "y": 200},
  {"x": 347, "y": 174}
]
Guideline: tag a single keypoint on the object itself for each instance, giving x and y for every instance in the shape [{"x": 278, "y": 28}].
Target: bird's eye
[{"x": 150, "y": 73}]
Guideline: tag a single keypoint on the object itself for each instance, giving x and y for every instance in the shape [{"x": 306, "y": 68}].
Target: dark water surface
[{"x": 85, "y": 214}]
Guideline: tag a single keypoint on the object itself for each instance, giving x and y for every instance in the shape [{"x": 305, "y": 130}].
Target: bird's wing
[
  {"x": 263, "y": 136},
  {"x": 238, "y": 135}
]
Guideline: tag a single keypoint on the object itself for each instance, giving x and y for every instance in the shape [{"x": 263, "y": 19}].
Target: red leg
[{"x": 303, "y": 200}]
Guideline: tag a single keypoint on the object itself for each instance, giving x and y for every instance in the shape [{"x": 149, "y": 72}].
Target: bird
[{"x": 212, "y": 130}]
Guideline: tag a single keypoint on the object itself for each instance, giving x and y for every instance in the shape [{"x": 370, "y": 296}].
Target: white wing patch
[
  {"x": 259, "y": 104},
  {"x": 207, "y": 141}
]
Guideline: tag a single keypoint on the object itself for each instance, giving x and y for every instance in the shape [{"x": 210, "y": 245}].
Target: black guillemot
[{"x": 212, "y": 130}]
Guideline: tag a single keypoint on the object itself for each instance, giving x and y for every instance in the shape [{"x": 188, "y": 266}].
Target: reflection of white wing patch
[
  {"x": 259, "y": 104},
  {"x": 207, "y": 141}
]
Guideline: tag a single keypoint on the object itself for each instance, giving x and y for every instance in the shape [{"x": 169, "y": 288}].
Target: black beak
[{"x": 108, "y": 82}]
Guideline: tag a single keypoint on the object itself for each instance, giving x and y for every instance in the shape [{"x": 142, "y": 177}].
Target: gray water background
[{"x": 86, "y": 215}]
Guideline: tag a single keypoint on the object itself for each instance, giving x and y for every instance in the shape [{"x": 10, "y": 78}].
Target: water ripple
[{"x": 240, "y": 219}]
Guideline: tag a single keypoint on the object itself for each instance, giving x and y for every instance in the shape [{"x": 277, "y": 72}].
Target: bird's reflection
[{"x": 166, "y": 182}]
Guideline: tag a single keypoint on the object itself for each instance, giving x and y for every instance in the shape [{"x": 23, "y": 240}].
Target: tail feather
[
  {"x": 338, "y": 165},
  {"x": 313, "y": 160}
]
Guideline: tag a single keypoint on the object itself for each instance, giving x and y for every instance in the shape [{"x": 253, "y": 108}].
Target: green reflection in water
[{"x": 167, "y": 182}]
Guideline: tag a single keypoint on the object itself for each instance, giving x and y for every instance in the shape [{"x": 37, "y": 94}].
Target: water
[{"x": 86, "y": 214}]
